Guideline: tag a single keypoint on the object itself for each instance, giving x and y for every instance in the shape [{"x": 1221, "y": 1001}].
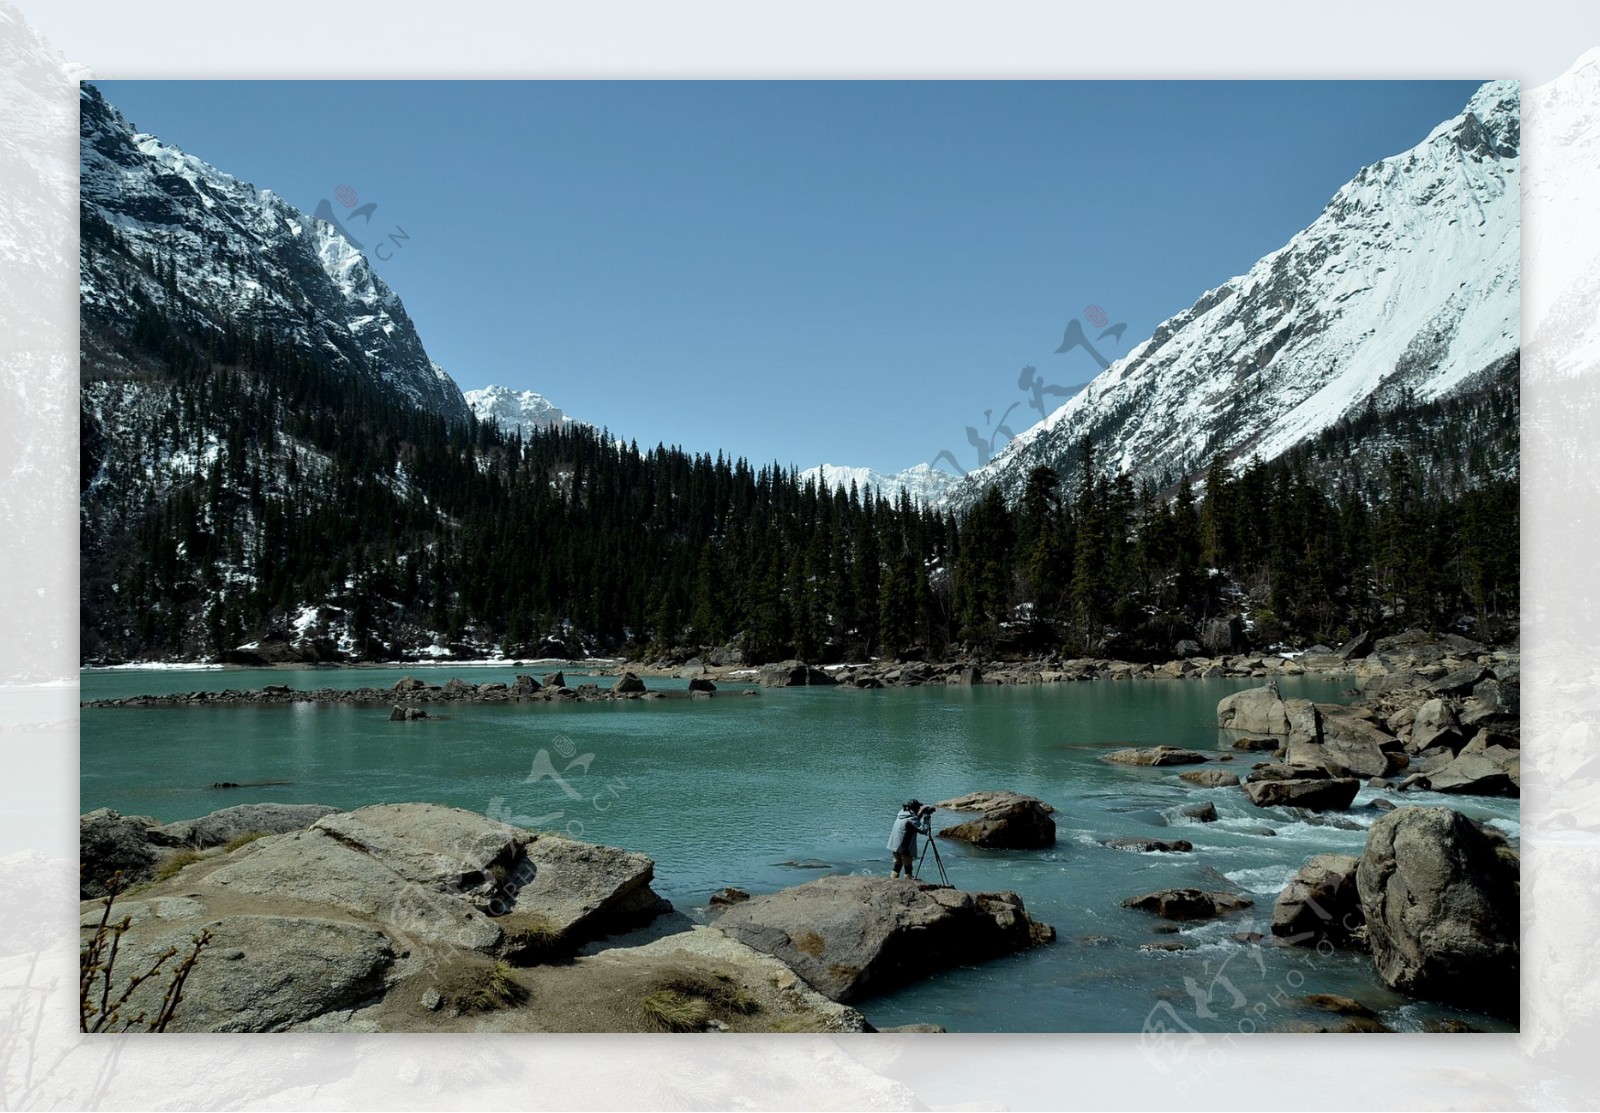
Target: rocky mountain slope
[
  {"x": 163, "y": 230},
  {"x": 1407, "y": 286}
]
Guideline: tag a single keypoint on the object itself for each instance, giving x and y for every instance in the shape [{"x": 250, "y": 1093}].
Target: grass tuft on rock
[
  {"x": 243, "y": 840},
  {"x": 170, "y": 867},
  {"x": 676, "y": 1012},
  {"x": 496, "y": 987}
]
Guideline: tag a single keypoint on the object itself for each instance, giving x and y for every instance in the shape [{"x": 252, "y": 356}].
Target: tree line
[{"x": 231, "y": 480}]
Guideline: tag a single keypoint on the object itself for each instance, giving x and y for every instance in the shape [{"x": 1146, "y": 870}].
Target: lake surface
[{"x": 771, "y": 791}]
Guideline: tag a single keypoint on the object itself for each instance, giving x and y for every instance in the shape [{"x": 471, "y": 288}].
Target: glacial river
[{"x": 771, "y": 791}]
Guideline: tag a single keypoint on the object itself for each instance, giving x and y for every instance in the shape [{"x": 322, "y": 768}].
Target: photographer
[{"x": 913, "y": 818}]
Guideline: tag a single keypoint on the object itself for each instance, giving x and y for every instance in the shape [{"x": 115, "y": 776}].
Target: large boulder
[
  {"x": 628, "y": 684},
  {"x": 582, "y": 890},
  {"x": 851, "y": 936},
  {"x": 1156, "y": 755},
  {"x": 1435, "y": 724},
  {"x": 1441, "y": 899},
  {"x": 1254, "y": 711},
  {"x": 1356, "y": 647},
  {"x": 1349, "y": 745},
  {"x": 1220, "y": 636},
  {"x": 259, "y": 973},
  {"x": 791, "y": 674},
  {"x": 1020, "y": 824},
  {"x": 1484, "y": 767},
  {"x": 1314, "y": 795},
  {"x": 110, "y": 842},
  {"x": 1188, "y": 904},
  {"x": 1320, "y": 902},
  {"x": 244, "y": 819}
]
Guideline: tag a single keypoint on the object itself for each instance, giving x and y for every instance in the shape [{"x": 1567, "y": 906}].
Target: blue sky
[{"x": 850, "y": 272}]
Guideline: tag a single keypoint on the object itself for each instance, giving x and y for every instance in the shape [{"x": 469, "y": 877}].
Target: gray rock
[
  {"x": 1211, "y": 778},
  {"x": 1156, "y": 755},
  {"x": 988, "y": 800},
  {"x": 1435, "y": 724},
  {"x": 244, "y": 819},
  {"x": 1356, "y": 647},
  {"x": 1350, "y": 746},
  {"x": 1317, "y": 796},
  {"x": 1254, "y": 711},
  {"x": 406, "y": 714},
  {"x": 792, "y": 674},
  {"x": 260, "y": 973},
  {"x": 1280, "y": 771},
  {"x": 1223, "y": 635},
  {"x": 1149, "y": 846},
  {"x": 1204, "y": 812},
  {"x": 584, "y": 890},
  {"x": 850, "y": 936},
  {"x": 1187, "y": 648},
  {"x": 1019, "y": 824},
  {"x": 1320, "y": 902},
  {"x": 628, "y": 684},
  {"x": 1460, "y": 682},
  {"x": 701, "y": 684},
  {"x": 1482, "y": 769},
  {"x": 1188, "y": 904},
  {"x": 1441, "y": 898},
  {"x": 109, "y": 842},
  {"x": 1257, "y": 745}
]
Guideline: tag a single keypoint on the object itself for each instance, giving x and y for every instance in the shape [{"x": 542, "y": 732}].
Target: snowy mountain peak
[
  {"x": 924, "y": 483},
  {"x": 1408, "y": 281},
  {"x": 247, "y": 259},
  {"x": 516, "y": 409}
]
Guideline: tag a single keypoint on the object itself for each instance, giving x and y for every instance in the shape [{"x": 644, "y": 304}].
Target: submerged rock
[
  {"x": 1211, "y": 778},
  {"x": 1156, "y": 755},
  {"x": 1147, "y": 846},
  {"x": 851, "y": 936},
  {"x": 1188, "y": 904}
]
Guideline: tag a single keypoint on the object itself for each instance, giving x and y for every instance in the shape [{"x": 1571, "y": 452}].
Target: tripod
[{"x": 944, "y": 878}]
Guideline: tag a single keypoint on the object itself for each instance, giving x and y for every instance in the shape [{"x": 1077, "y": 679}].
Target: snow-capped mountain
[
  {"x": 516, "y": 409},
  {"x": 1408, "y": 281},
  {"x": 925, "y": 484},
  {"x": 240, "y": 256}
]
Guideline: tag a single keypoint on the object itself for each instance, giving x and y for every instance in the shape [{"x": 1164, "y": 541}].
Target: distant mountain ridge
[
  {"x": 925, "y": 484},
  {"x": 521, "y": 410},
  {"x": 1407, "y": 285}
]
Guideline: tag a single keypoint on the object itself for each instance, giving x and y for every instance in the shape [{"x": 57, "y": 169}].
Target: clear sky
[{"x": 849, "y": 272}]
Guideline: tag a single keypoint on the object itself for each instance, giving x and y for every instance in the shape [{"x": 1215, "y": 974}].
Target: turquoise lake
[{"x": 770, "y": 791}]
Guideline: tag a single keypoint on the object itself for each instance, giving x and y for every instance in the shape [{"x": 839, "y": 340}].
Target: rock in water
[
  {"x": 1021, "y": 824},
  {"x": 1315, "y": 795},
  {"x": 1320, "y": 902},
  {"x": 1254, "y": 711},
  {"x": 1157, "y": 755},
  {"x": 851, "y": 936},
  {"x": 988, "y": 800},
  {"x": 1211, "y": 778},
  {"x": 792, "y": 674},
  {"x": 1149, "y": 846},
  {"x": 628, "y": 684},
  {"x": 1188, "y": 904},
  {"x": 1441, "y": 899}
]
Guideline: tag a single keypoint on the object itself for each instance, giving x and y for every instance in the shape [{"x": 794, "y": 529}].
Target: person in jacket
[{"x": 912, "y": 820}]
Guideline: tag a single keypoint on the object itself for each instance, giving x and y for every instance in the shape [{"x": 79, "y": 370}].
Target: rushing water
[{"x": 768, "y": 792}]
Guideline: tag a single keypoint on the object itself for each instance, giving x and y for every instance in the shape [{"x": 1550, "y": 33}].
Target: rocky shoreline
[
  {"x": 417, "y": 917},
  {"x": 1414, "y": 660}
]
